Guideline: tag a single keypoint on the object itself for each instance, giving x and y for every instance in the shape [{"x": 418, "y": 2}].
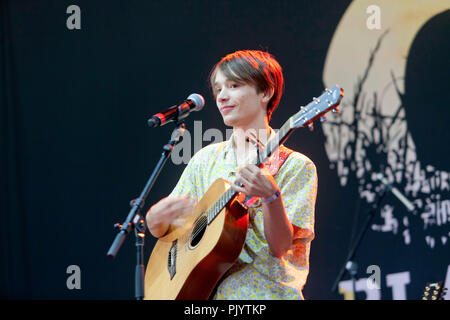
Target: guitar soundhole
[{"x": 199, "y": 230}]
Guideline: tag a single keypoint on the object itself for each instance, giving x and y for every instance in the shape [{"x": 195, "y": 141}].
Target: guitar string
[
  {"x": 206, "y": 222},
  {"x": 213, "y": 214},
  {"x": 200, "y": 226}
]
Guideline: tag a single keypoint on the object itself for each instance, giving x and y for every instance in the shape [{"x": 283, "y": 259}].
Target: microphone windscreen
[{"x": 198, "y": 100}]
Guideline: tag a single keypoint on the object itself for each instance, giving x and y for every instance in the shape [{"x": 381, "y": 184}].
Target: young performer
[{"x": 274, "y": 263}]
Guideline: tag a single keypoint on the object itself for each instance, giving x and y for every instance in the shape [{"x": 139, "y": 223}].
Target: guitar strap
[{"x": 273, "y": 164}]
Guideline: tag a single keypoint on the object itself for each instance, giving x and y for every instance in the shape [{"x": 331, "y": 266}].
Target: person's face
[{"x": 239, "y": 103}]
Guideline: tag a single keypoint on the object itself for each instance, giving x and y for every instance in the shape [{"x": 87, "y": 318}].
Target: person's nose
[{"x": 223, "y": 95}]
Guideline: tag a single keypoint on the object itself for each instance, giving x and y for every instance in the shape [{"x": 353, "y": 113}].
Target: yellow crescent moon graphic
[
  {"x": 353, "y": 43},
  {"x": 369, "y": 62}
]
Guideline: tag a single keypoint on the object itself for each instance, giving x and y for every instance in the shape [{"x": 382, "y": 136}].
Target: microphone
[
  {"x": 396, "y": 192},
  {"x": 194, "y": 102}
]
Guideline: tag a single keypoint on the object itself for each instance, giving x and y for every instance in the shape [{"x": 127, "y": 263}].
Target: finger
[
  {"x": 177, "y": 202},
  {"x": 183, "y": 208},
  {"x": 171, "y": 202},
  {"x": 244, "y": 172},
  {"x": 249, "y": 168},
  {"x": 177, "y": 218},
  {"x": 179, "y": 222},
  {"x": 237, "y": 188},
  {"x": 264, "y": 170},
  {"x": 254, "y": 168},
  {"x": 252, "y": 173},
  {"x": 245, "y": 180}
]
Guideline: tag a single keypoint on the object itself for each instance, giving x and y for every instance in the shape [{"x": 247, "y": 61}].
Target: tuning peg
[
  {"x": 336, "y": 110},
  {"x": 323, "y": 119},
  {"x": 302, "y": 108},
  {"x": 311, "y": 126},
  {"x": 316, "y": 100}
]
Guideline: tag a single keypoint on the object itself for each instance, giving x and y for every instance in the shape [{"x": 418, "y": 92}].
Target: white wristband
[{"x": 273, "y": 197}]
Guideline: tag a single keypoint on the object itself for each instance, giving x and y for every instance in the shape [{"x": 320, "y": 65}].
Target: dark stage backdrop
[{"x": 79, "y": 83}]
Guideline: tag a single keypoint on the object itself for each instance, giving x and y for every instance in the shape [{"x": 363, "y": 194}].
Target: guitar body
[{"x": 188, "y": 261}]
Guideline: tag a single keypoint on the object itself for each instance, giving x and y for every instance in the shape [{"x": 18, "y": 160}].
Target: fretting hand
[{"x": 257, "y": 182}]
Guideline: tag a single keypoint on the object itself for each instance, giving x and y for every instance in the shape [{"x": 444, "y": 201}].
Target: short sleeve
[
  {"x": 299, "y": 192},
  {"x": 189, "y": 181}
]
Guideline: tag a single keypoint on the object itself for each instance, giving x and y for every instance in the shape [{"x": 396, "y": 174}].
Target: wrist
[{"x": 267, "y": 200}]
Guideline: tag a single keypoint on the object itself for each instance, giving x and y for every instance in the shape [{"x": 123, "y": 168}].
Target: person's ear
[{"x": 268, "y": 94}]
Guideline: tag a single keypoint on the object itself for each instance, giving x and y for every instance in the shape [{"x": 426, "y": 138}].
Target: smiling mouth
[{"x": 226, "y": 108}]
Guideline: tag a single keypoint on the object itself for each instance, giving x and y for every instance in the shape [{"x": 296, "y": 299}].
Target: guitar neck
[{"x": 273, "y": 144}]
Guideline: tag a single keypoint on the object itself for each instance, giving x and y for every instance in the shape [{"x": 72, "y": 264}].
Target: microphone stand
[
  {"x": 350, "y": 266},
  {"x": 135, "y": 220}
]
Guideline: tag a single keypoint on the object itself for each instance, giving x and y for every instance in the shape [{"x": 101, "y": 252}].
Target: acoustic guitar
[{"x": 188, "y": 261}]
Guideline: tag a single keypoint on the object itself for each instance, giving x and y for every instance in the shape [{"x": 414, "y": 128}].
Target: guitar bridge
[{"x": 172, "y": 260}]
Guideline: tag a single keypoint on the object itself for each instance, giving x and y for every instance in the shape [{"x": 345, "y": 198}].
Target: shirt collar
[{"x": 229, "y": 145}]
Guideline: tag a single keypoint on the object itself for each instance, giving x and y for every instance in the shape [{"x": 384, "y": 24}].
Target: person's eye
[{"x": 234, "y": 85}]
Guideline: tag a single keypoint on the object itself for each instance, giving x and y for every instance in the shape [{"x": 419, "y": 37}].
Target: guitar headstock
[
  {"x": 329, "y": 100},
  {"x": 434, "y": 291}
]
